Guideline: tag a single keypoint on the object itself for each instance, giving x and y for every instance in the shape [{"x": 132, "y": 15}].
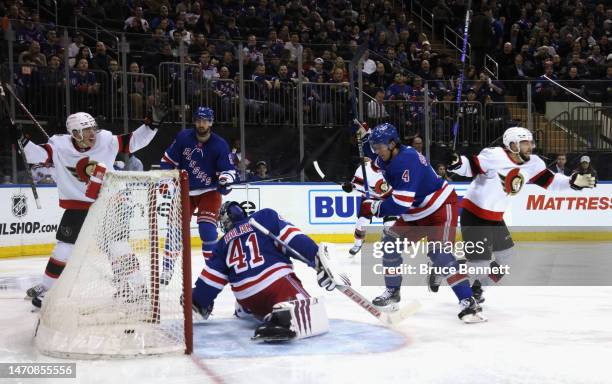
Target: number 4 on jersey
[{"x": 237, "y": 258}]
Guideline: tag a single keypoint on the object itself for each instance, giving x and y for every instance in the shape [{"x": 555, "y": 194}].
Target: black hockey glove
[
  {"x": 347, "y": 187},
  {"x": 156, "y": 116},
  {"x": 453, "y": 161}
]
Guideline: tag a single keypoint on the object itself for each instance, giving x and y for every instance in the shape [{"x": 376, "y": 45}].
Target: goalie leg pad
[
  {"x": 56, "y": 264},
  {"x": 127, "y": 277},
  {"x": 296, "y": 319}
]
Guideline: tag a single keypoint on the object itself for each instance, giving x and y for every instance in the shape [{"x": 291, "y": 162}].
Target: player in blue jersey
[
  {"x": 206, "y": 158},
  {"x": 426, "y": 206},
  {"x": 261, "y": 275}
]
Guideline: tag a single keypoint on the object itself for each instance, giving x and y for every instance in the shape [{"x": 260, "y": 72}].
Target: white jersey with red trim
[
  {"x": 73, "y": 166},
  {"x": 377, "y": 185},
  {"x": 497, "y": 177}
]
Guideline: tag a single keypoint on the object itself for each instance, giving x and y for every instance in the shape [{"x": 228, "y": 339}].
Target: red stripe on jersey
[
  {"x": 481, "y": 212},
  {"x": 543, "y": 179},
  {"x": 124, "y": 143},
  {"x": 75, "y": 204},
  {"x": 261, "y": 278},
  {"x": 207, "y": 254},
  {"x": 214, "y": 278},
  {"x": 407, "y": 199},
  {"x": 454, "y": 279},
  {"x": 49, "y": 150},
  {"x": 475, "y": 165},
  {"x": 168, "y": 160},
  {"x": 430, "y": 202},
  {"x": 288, "y": 232},
  {"x": 358, "y": 180}
]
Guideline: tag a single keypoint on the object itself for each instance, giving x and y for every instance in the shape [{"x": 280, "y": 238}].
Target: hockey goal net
[{"x": 126, "y": 290}]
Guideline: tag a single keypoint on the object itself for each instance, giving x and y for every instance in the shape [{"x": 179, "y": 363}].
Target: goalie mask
[{"x": 231, "y": 212}]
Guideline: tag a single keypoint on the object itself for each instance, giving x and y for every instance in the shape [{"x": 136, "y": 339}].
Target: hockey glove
[
  {"x": 347, "y": 187},
  {"x": 369, "y": 208},
  {"x": 578, "y": 181},
  {"x": 157, "y": 116},
  {"x": 225, "y": 178},
  {"x": 453, "y": 161},
  {"x": 323, "y": 279}
]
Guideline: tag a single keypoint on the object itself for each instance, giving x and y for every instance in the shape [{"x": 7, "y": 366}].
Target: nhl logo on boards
[{"x": 19, "y": 205}]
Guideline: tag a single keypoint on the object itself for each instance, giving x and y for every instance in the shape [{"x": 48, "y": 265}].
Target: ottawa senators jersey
[
  {"x": 497, "y": 177},
  {"x": 377, "y": 185},
  {"x": 74, "y": 166}
]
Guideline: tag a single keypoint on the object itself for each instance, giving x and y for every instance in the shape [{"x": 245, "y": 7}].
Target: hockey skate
[
  {"x": 477, "y": 292},
  {"x": 389, "y": 300},
  {"x": 355, "y": 249},
  {"x": 130, "y": 294},
  {"x": 165, "y": 277},
  {"x": 37, "y": 301},
  {"x": 35, "y": 291},
  {"x": 471, "y": 312},
  {"x": 276, "y": 328},
  {"x": 359, "y": 237}
]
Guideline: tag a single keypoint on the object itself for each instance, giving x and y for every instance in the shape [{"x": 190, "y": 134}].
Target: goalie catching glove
[{"x": 579, "y": 181}]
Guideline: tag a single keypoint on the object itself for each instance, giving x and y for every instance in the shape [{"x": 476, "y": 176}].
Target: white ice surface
[{"x": 534, "y": 335}]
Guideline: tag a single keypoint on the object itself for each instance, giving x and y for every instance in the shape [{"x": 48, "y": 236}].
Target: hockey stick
[
  {"x": 358, "y": 55},
  {"x": 387, "y": 318},
  {"x": 322, "y": 175},
  {"x": 26, "y": 111},
  {"x": 461, "y": 74},
  {"x": 20, "y": 146}
]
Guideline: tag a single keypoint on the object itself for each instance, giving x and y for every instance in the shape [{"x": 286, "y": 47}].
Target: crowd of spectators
[{"x": 566, "y": 40}]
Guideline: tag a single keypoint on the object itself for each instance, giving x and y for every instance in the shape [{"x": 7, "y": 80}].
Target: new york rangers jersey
[
  {"x": 74, "y": 165},
  {"x": 417, "y": 190},
  {"x": 377, "y": 185},
  {"x": 202, "y": 161},
  {"x": 497, "y": 177},
  {"x": 250, "y": 261}
]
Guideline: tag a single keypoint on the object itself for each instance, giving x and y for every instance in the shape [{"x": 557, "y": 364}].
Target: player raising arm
[
  {"x": 500, "y": 173},
  {"x": 427, "y": 206},
  {"x": 261, "y": 275},
  {"x": 74, "y": 157}
]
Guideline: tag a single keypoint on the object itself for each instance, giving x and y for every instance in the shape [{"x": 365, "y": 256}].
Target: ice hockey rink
[{"x": 534, "y": 335}]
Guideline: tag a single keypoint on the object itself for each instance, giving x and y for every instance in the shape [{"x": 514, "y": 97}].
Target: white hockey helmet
[
  {"x": 516, "y": 135},
  {"x": 78, "y": 122}
]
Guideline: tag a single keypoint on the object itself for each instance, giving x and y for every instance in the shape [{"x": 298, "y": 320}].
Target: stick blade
[{"x": 394, "y": 318}]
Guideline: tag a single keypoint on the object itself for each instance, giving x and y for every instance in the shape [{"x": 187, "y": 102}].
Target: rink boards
[{"x": 325, "y": 212}]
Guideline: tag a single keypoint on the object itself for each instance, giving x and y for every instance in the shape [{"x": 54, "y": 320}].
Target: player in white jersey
[
  {"x": 378, "y": 189},
  {"x": 74, "y": 157},
  {"x": 500, "y": 173}
]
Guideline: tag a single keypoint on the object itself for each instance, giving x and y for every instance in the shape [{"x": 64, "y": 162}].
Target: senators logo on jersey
[
  {"x": 513, "y": 182},
  {"x": 83, "y": 169}
]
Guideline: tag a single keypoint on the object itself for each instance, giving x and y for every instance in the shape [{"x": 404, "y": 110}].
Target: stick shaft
[
  {"x": 461, "y": 74},
  {"x": 27, "y": 111},
  {"x": 20, "y": 148}
]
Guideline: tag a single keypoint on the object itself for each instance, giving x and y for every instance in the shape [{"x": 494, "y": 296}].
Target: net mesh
[{"x": 120, "y": 294}]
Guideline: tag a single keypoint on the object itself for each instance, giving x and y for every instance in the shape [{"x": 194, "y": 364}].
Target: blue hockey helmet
[
  {"x": 230, "y": 213},
  {"x": 383, "y": 134},
  {"x": 204, "y": 113}
]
